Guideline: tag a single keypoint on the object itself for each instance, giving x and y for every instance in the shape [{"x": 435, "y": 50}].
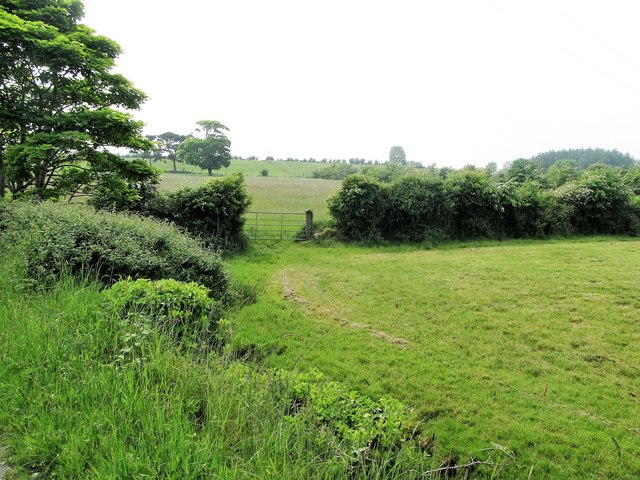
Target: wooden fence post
[{"x": 309, "y": 226}]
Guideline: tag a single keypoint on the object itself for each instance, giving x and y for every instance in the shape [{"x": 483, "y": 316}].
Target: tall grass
[{"x": 85, "y": 395}]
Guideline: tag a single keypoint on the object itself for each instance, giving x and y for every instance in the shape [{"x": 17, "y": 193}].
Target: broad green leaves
[{"x": 60, "y": 104}]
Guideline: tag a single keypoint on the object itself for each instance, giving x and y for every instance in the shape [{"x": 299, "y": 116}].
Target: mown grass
[
  {"x": 530, "y": 345},
  {"x": 273, "y": 194}
]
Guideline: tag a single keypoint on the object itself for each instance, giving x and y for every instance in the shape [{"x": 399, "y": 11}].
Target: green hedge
[
  {"x": 470, "y": 204},
  {"x": 57, "y": 238},
  {"x": 213, "y": 211}
]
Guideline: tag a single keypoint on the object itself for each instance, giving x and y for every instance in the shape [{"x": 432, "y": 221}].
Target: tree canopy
[
  {"x": 210, "y": 152},
  {"x": 397, "y": 155},
  {"x": 585, "y": 157},
  {"x": 166, "y": 146},
  {"x": 61, "y": 107}
]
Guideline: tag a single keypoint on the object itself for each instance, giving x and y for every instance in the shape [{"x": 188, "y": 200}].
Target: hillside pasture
[
  {"x": 272, "y": 194},
  {"x": 532, "y": 346},
  {"x": 249, "y": 168}
]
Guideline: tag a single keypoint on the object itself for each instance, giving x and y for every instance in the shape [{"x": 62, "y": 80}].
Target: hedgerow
[
  {"x": 470, "y": 204},
  {"x": 57, "y": 238},
  {"x": 214, "y": 211}
]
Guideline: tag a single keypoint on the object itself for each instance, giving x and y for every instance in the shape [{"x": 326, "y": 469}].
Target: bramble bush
[
  {"x": 55, "y": 238},
  {"x": 600, "y": 200},
  {"x": 214, "y": 211}
]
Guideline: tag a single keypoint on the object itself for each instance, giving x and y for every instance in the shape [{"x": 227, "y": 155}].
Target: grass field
[
  {"x": 272, "y": 194},
  {"x": 532, "y": 346},
  {"x": 250, "y": 168}
]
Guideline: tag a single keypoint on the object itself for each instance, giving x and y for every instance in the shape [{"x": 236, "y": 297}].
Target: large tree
[
  {"x": 397, "y": 155},
  {"x": 166, "y": 146},
  {"x": 211, "y": 151},
  {"x": 61, "y": 107}
]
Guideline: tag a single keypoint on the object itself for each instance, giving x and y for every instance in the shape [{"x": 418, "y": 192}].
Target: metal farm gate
[{"x": 279, "y": 225}]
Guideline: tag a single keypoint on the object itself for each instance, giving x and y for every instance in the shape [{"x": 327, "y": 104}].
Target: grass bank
[{"x": 530, "y": 345}]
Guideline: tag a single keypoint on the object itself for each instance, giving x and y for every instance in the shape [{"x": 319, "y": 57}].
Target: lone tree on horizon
[
  {"x": 397, "y": 155},
  {"x": 209, "y": 153}
]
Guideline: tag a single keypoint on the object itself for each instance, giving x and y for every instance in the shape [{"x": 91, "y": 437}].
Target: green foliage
[
  {"x": 58, "y": 238},
  {"x": 264, "y": 172},
  {"x": 335, "y": 171},
  {"x": 522, "y": 170},
  {"x": 600, "y": 201},
  {"x": 469, "y": 203},
  {"x": 529, "y": 211},
  {"x": 631, "y": 178},
  {"x": 419, "y": 209},
  {"x": 368, "y": 428},
  {"x": 385, "y": 173},
  {"x": 209, "y": 153},
  {"x": 131, "y": 193},
  {"x": 561, "y": 172},
  {"x": 213, "y": 211},
  {"x": 359, "y": 208},
  {"x": 61, "y": 105},
  {"x": 397, "y": 155},
  {"x": 184, "y": 310},
  {"x": 584, "y": 157},
  {"x": 476, "y": 209},
  {"x": 166, "y": 146}
]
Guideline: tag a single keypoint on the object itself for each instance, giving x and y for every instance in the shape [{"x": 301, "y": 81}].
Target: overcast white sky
[{"x": 454, "y": 82}]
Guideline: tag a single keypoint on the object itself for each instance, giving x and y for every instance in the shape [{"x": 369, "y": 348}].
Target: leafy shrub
[
  {"x": 476, "y": 209},
  {"x": 529, "y": 211},
  {"x": 366, "y": 428},
  {"x": 213, "y": 211},
  {"x": 55, "y": 238},
  {"x": 359, "y": 208},
  {"x": 180, "y": 308},
  {"x": 418, "y": 208},
  {"x": 115, "y": 193},
  {"x": 631, "y": 178},
  {"x": 601, "y": 202},
  {"x": 335, "y": 171},
  {"x": 468, "y": 203}
]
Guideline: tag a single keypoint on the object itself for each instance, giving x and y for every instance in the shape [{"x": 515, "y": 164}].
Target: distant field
[
  {"x": 533, "y": 346},
  {"x": 272, "y": 194},
  {"x": 251, "y": 168}
]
